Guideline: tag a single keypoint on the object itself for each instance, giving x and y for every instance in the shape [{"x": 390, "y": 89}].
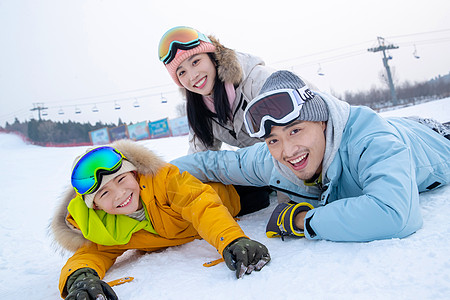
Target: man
[{"x": 351, "y": 175}]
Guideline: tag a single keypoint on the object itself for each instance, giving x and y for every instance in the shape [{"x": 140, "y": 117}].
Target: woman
[{"x": 218, "y": 83}]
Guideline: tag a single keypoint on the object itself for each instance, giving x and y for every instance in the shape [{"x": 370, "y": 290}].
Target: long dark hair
[{"x": 200, "y": 117}]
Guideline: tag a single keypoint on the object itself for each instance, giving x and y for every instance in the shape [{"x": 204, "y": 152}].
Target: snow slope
[{"x": 32, "y": 178}]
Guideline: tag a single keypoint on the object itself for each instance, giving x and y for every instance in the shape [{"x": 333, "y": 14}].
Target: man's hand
[
  {"x": 84, "y": 284},
  {"x": 245, "y": 255},
  {"x": 282, "y": 221}
]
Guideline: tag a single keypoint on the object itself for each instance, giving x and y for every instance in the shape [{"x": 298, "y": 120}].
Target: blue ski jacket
[{"x": 370, "y": 188}]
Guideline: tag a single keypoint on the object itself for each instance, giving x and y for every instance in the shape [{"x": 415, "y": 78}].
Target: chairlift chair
[
  {"x": 319, "y": 71},
  {"x": 95, "y": 109},
  {"x": 163, "y": 99},
  {"x": 415, "y": 53}
]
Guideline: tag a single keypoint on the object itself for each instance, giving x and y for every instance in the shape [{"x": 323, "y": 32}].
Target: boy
[{"x": 125, "y": 197}]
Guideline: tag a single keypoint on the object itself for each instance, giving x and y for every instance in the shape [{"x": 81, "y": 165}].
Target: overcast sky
[{"x": 80, "y": 54}]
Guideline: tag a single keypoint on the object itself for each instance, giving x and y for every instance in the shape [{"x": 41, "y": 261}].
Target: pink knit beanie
[{"x": 181, "y": 55}]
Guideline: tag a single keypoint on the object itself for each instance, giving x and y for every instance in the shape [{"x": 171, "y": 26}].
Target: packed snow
[{"x": 32, "y": 178}]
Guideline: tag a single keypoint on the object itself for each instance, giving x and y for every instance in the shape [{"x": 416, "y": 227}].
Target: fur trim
[
  {"x": 64, "y": 234},
  {"x": 71, "y": 238},
  {"x": 145, "y": 160},
  {"x": 229, "y": 69}
]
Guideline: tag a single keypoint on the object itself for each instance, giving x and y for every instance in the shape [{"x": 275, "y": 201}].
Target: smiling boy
[{"x": 125, "y": 197}]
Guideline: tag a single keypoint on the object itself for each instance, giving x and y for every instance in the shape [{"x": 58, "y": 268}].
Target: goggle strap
[
  {"x": 175, "y": 46},
  {"x": 305, "y": 93},
  {"x": 99, "y": 177}
]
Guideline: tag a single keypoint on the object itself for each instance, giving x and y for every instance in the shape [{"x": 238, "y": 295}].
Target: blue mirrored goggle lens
[{"x": 88, "y": 168}]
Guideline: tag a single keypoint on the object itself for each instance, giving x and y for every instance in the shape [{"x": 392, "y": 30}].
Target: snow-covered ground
[{"x": 32, "y": 178}]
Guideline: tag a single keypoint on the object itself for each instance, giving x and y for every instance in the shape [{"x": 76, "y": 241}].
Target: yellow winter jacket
[{"x": 180, "y": 207}]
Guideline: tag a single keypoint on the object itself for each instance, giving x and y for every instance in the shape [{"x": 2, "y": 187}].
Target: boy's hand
[
  {"x": 245, "y": 255},
  {"x": 84, "y": 284}
]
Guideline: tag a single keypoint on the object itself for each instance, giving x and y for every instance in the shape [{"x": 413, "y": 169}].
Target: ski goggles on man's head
[
  {"x": 277, "y": 107},
  {"x": 89, "y": 169},
  {"x": 180, "y": 37}
]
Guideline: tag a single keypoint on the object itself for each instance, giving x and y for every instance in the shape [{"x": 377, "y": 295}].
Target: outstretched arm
[
  {"x": 247, "y": 166},
  {"x": 88, "y": 256}
]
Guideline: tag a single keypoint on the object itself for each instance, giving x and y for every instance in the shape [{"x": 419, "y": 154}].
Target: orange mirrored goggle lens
[{"x": 178, "y": 38}]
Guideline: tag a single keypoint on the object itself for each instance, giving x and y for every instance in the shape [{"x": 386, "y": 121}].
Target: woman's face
[{"x": 197, "y": 74}]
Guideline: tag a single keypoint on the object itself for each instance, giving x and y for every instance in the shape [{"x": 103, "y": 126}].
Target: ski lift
[
  {"x": 61, "y": 111},
  {"x": 77, "y": 110},
  {"x": 415, "y": 53},
  {"x": 136, "y": 103},
  {"x": 319, "y": 71},
  {"x": 95, "y": 109},
  {"x": 163, "y": 99},
  {"x": 116, "y": 106},
  {"x": 44, "y": 113}
]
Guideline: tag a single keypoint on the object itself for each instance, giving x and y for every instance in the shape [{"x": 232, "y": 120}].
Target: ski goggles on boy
[
  {"x": 89, "y": 169},
  {"x": 180, "y": 37},
  {"x": 277, "y": 107}
]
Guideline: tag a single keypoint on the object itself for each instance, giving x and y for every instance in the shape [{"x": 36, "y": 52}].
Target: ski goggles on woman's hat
[
  {"x": 179, "y": 38},
  {"x": 277, "y": 107},
  {"x": 89, "y": 169}
]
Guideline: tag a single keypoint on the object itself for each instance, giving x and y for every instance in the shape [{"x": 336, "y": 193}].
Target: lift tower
[
  {"x": 383, "y": 47},
  {"x": 39, "y": 107}
]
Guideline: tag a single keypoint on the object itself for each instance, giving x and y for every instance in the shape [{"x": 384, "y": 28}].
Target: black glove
[
  {"x": 281, "y": 222},
  {"x": 245, "y": 255},
  {"x": 84, "y": 284}
]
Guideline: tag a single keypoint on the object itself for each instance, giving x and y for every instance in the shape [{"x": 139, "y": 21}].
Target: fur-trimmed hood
[
  {"x": 229, "y": 69},
  {"x": 69, "y": 237}
]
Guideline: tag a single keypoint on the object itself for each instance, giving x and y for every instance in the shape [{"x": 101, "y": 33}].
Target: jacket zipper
[{"x": 293, "y": 193}]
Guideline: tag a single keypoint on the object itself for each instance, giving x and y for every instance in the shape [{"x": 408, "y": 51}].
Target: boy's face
[
  {"x": 119, "y": 196},
  {"x": 300, "y": 146}
]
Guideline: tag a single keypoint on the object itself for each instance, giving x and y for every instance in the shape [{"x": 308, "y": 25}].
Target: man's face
[{"x": 299, "y": 145}]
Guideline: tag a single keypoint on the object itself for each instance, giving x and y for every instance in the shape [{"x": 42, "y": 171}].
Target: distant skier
[
  {"x": 351, "y": 174},
  {"x": 124, "y": 197}
]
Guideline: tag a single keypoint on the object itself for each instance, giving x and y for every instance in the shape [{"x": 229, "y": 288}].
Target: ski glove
[
  {"x": 281, "y": 222},
  {"x": 244, "y": 255},
  {"x": 84, "y": 284}
]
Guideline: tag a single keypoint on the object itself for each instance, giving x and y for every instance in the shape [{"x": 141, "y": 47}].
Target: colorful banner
[
  {"x": 99, "y": 136},
  {"x": 118, "y": 133},
  {"x": 179, "y": 126},
  {"x": 159, "y": 129},
  {"x": 138, "y": 131}
]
